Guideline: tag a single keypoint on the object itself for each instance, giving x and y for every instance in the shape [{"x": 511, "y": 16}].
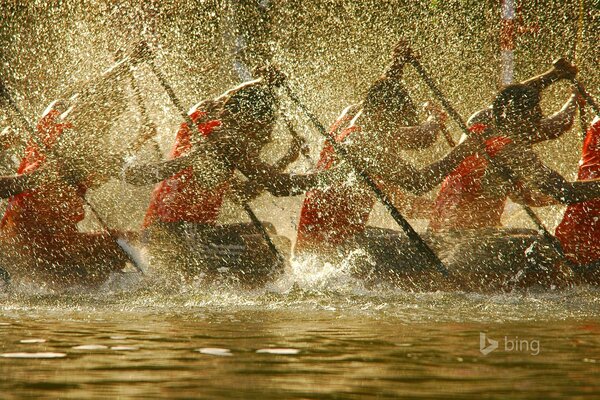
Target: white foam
[
  {"x": 215, "y": 351},
  {"x": 91, "y": 347},
  {"x": 33, "y": 355},
  {"x": 280, "y": 351},
  {"x": 124, "y": 348},
  {"x": 33, "y": 340}
]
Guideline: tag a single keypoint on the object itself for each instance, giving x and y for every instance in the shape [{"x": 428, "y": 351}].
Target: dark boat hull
[
  {"x": 480, "y": 261},
  {"x": 229, "y": 254}
]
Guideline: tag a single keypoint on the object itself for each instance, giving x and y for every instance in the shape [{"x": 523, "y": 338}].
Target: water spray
[
  {"x": 554, "y": 243},
  {"x": 413, "y": 236},
  {"x": 34, "y": 137},
  {"x": 188, "y": 120}
]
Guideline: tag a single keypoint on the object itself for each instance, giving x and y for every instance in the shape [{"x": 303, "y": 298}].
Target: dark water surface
[{"x": 293, "y": 342}]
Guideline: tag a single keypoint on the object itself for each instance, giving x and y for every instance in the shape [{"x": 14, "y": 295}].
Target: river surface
[{"x": 327, "y": 338}]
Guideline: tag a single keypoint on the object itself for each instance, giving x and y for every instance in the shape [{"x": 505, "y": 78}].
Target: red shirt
[
  {"x": 53, "y": 207},
  {"x": 330, "y": 216},
  {"x": 579, "y": 230},
  {"x": 463, "y": 202},
  {"x": 181, "y": 198}
]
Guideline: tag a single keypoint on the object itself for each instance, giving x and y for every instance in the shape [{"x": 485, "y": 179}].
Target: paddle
[
  {"x": 413, "y": 236},
  {"x": 34, "y": 138},
  {"x": 150, "y": 132},
  {"x": 190, "y": 123},
  {"x": 305, "y": 151},
  {"x": 588, "y": 97},
  {"x": 461, "y": 123}
]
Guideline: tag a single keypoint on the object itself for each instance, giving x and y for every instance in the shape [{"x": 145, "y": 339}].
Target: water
[{"x": 327, "y": 339}]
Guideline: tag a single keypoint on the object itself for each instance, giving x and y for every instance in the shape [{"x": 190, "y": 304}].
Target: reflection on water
[{"x": 290, "y": 341}]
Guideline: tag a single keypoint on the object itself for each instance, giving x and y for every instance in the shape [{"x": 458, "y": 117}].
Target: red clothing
[
  {"x": 181, "y": 198},
  {"x": 463, "y": 203},
  {"x": 332, "y": 215},
  {"x": 579, "y": 230},
  {"x": 49, "y": 208},
  {"x": 40, "y": 225}
]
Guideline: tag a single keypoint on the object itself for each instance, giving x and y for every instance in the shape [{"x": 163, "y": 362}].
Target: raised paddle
[
  {"x": 461, "y": 123},
  {"x": 150, "y": 127},
  {"x": 304, "y": 150},
  {"x": 413, "y": 236},
  {"x": 125, "y": 248},
  {"x": 588, "y": 97},
  {"x": 188, "y": 120}
]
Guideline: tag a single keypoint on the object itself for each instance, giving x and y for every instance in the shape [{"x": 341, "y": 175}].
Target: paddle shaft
[
  {"x": 296, "y": 136},
  {"x": 141, "y": 139},
  {"x": 188, "y": 120},
  {"x": 588, "y": 98},
  {"x": 32, "y": 135},
  {"x": 413, "y": 236},
  {"x": 461, "y": 123}
]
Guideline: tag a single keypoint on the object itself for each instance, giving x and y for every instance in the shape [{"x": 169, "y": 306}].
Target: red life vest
[
  {"x": 579, "y": 230},
  {"x": 462, "y": 202},
  {"x": 50, "y": 208},
  {"x": 181, "y": 198},
  {"x": 331, "y": 216}
]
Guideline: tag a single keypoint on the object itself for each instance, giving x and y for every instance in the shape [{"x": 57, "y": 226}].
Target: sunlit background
[{"x": 331, "y": 51}]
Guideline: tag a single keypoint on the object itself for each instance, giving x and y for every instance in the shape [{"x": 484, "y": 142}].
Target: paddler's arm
[
  {"x": 421, "y": 136},
  {"x": 244, "y": 191},
  {"x": 561, "y": 69},
  {"x": 418, "y": 137},
  {"x": 524, "y": 165},
  {"x": 532, "y": 198},
  {"x": 291, "y": 155},
  {"x": 142, "y": 175},
  {"x": 14, "y": 184},
  {"x": 281, "y": 184},
  {"x": 560, "y": 122},
  {"x": 419, "y": 181}
]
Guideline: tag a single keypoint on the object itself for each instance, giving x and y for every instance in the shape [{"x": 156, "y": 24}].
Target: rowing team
[{"x": 46, "y": 198}]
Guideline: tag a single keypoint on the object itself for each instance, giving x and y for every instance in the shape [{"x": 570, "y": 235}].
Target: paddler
[
  {"x": 579, "y": 230},
  {"x": 40, "y": 225},
  {"x": 473, "y": 196},
  {"x": 503, "y": 258},
  {"x": 385, "y": 125},
  {"x": 231, "y": 132}
]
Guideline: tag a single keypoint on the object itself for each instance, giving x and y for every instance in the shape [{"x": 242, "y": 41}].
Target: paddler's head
[
  {"x": 271, "y": 74},
  {"x": 388, "y": 106},
  {"x": 401, "y": 55},
  {"x": 517, "y": 110},
  {"x": 252, "y": 111}
]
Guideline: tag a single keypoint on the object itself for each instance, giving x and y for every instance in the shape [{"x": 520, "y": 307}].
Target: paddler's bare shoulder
[{"x": 243, "y": 86}]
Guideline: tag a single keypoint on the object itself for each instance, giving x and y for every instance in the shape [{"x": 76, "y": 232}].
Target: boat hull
[{"x": 481, "y": 261}]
